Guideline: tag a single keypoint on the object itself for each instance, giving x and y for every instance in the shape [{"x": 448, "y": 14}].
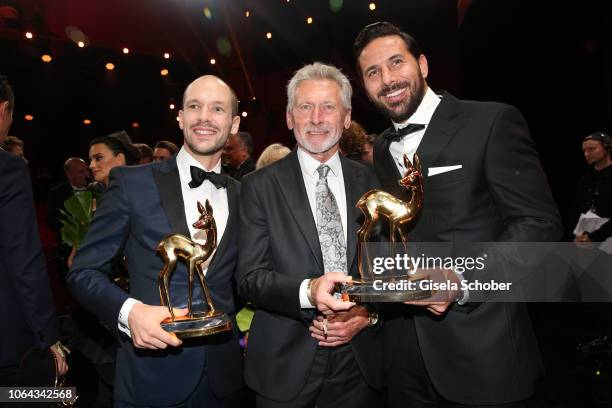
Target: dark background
[{"x": 551, "y": 59}]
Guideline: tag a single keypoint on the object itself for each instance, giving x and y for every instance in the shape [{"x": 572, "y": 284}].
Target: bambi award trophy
[
  {"x": 394, "y": 285},
  {"x": 175, "y": 246}
]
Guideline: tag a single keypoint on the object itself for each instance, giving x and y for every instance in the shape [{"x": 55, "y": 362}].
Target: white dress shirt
[
  {"x": 335, "y": 181},
  {"x": 409, "y": 144},
  {"x": 206, "y": 191}
]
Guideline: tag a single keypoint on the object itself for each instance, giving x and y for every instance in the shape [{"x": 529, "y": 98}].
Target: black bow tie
[
  {"x": 198, "y": 176},
  {"x": 397, "y": 135}
]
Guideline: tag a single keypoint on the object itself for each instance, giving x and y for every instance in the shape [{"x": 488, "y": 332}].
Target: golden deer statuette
[
  {"x": 176, "y": 246},
  {"x": 377, "y": 203}
]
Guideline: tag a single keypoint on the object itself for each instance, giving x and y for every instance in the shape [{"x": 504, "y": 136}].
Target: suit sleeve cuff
[
  {"x": 304, "y": 302},
  {"x": 123, "y": 325}
]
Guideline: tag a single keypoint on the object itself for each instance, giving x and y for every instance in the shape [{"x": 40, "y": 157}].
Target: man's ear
[
  {"x": 289, "y": 120},
  {"x": 347, "y": 119},
  {"x": 4, "y": 108},
  {"x": 235, "y": 125},
  {"x": 423, "y": 65},
  {"x": 180, "y": 117}
]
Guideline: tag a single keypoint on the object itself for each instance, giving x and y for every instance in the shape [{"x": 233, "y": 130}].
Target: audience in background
[
  {"x": 164, "y": 150},
  {"x": 272, "y": 153},
  {"x": 353, "y": 141},
  {"x": 238, "y": 154},
  {"x": 146, "y": 153},
  {"x": 77, "y": 179},
  {"x": 367, "y": 155},
  {"x": 594, "y": 192},
  {"x": 14, "y": 146},
  {"x": 107, "y": 152},
  {"x": 591, "y": 221},
  {"x": 89, "y": 337}
]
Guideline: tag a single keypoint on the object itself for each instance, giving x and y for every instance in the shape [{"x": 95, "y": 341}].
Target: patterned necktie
[
  {"x": 400, "y": 133},
  {"x": 329, "y": 225}
]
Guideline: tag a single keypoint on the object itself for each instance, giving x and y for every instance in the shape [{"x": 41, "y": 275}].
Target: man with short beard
[
  {"x": 483, "y": 182},
  {"x": 298, "y": 227},
  {"x": 143, "y": 205}
]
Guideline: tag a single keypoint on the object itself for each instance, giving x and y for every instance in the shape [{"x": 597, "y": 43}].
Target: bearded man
[{"x": 483, "y": 182}]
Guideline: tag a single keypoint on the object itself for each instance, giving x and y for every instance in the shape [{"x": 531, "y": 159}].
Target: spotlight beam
[{"x": 234, "y": 41}]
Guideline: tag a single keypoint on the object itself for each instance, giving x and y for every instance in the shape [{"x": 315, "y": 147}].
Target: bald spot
[
  {"x": 70, "y": 163},
  {"x": 214, "y": 81}
]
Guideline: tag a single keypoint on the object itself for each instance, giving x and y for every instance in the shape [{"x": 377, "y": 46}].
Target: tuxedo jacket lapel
[
  {"x": 385, "y": 164},
  {"x": 291, "y": 184},
  {"x": 232, "y": 222},
  {"x": 169, "y": 186},
  {"x": 443, "y": 125},
  {"x": 386, "y": 161}
]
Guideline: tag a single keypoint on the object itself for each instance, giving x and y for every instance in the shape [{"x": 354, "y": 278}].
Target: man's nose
[
  {"x": 386, "y": 76},
  {"x": 316, "y": 115}
]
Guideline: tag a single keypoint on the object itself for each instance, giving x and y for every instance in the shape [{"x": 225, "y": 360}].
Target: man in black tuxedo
[
  {"x": 77, "y": 175},
  {"x": 26, "y": 301},
  {"x": 143, "y": 205},
  {"x": 238, "y": 155},
  {"x": 298, "y": 226},
  {"x": 77, "y": 178},
  {"x": 484, "y": 183}
]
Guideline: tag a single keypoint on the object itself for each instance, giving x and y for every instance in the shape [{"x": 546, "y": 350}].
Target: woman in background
[
  {"x": 94, "y": 342},
  {"x": 272, "y": 153},
  {"x": 108, "y": 152}
]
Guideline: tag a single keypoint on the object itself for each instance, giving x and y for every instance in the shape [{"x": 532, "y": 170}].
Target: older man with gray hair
[{"x": 298, "y": 234}]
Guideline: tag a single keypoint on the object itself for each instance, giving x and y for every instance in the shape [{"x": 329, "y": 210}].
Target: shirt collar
[
  {"x": 424, "y": 112},
  {"x": 184, "y": 161},
  {"x": 78, "y": 188},
  {"x": 309, "y": 165}
]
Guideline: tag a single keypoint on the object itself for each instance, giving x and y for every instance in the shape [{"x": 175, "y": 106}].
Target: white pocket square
[{"x": 432, "y": 171}]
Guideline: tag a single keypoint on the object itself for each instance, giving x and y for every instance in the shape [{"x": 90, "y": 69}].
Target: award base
[
  {"x": 199, "y": 325},
  {"x": 385, "y": 290}
]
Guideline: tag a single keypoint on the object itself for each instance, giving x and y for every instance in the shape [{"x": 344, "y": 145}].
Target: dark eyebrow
[
  {"x": 370, "y": 68},
  {"x": 388, "y": 59},
  {"x": 214, "y": 103}
]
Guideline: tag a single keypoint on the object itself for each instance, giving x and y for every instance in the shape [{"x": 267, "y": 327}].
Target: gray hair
[{"x": 320, "y": 71}]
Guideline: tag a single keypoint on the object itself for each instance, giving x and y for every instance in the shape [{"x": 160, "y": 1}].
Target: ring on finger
[{"x": 325, "y": 328}]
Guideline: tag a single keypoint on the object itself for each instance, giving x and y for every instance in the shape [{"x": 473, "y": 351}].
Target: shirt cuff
[
  {"x": 304, "y": 302},
  {"x": 123, "y": 325}
]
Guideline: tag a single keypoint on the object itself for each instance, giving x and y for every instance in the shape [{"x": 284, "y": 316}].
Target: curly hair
[{"x": 353, "y": 139}]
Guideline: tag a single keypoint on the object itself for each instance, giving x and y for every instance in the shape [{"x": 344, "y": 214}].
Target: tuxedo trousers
[
  {"x": 334, "y": 381},
  {"x": 201, "y": 397},
  {"x": 408, "y": 381}
]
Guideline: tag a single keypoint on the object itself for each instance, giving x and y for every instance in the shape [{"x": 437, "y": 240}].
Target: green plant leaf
[
  {"x": 70, "y": 234},
  {"x": 76, "y": 205},
  {"x": 77, "y": 218},
  {"x": 244, "y": 318}
]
